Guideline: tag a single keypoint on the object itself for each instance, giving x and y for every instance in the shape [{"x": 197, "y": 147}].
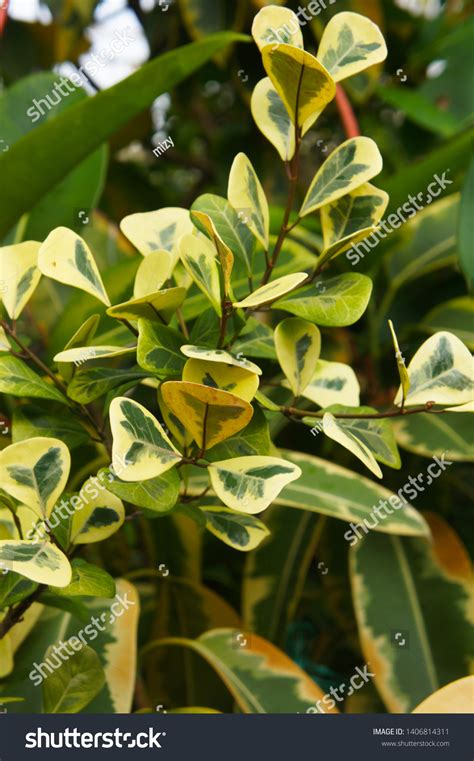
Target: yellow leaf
[
  {"x": 19, "y": 275},
  {"x": 298, "y": 345},
  {"x": 240, "y": 382},
  {"x": 245, "y": 194},
  {"x": 350, "y": 43}
]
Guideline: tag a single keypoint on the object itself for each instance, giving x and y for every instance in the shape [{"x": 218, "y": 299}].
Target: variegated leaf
[
  {"x": 350, "y": 43},
  {"x": 273, "y": 290},
  {"x": 17, "y": 379},
  {"x": 352, "y": 164},
  {"x": 246, "y": 195},
  {"x": 429, "y": 585},
  {"x": 211, "y": 415},
  {"x": 333, "y": 383},
  {"x": 242, "y": 532},
  {"x": 430, "y": 435},
  {"x": 80, "y": 354},
  {"x": 250, "y": 484},
  {"x": 159, "y": 348},
  {"x": 376, "y": 434},
  {"x": 238, "y": 381},
  {"x": 159, "y": 306},
  {"x": 66, "y": 257},
  {"x": 350, "y": 439},
  {"x": 224, "y": 254},
  {"x": 97, "y": 513},
  {"x": 173, "y": 423},
  {"x": 272, "y": 118},
  {"x": 4, "y": 342},
  {"x": 221, "y": 356},
  {"x": 276, "y": 25},
  {"x": 455, "y": 315},
  {"x": 156, "y": 230},
  {"x": 298, "y": 345},
  {"x": 42, "y": 562},
  {"x": 82, "y": 337},
  {"x": 441, "y": 371},
  {"x": 35, "y": 472},
  {"x": 141, "y": 449},
  {"x": 152, "y": 273},
  {"x": 157, "y": 495},
  {"x": 336, "y": 302},
  {"x": 198, "y": 255},
  {"x": 302, "y": 82},
  {"x": 350, "y": 219},
  {"x": 19, "y": 275}
]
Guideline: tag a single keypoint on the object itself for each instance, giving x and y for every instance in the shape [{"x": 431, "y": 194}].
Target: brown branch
[{"x": 296, "y": 412}]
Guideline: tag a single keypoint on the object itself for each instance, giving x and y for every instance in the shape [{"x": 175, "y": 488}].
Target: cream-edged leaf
[
  {"x": 353, "y": 163},
  {"x": 246, "y": 195},
  {"x": 350, "y": 43},
  {"x": 302, "y": 82},
  {"x": 65, "y": 256},
  {"x": 4, "y": 342},
  {"x": 160, "y": 306},
  {"x": 250, "y": 484},
  {"x": 441, "y": 371},
  {"x": 336, "y": 302},
  {"x": 82, "y": 337},
  {"x": 348, "y": 439},
  {"x": 42, "y": 562},
  {"x": 272, "y": 118},
  {"x": 242, "y": 532},
  {"x": 35, "y": 472},
  {"x": 156, "y": 230},
  {"x": 141, "y": 449},
  {"x": 350, "y": 219},
  {"x": 273, "y": 290},
  {"x": 211, "y": 415},
  {"x": 159, "y": 348},
  {"x": 298, "y": 345},
  {"x": 276, "y": 25},
  {"x": 173, "y": 423},
  {"x": 152, "y": 273},
  {"x": 333, "y": 383},
  {"x": 224, "y": 254},
  {"x": 240, "y": 382},
  {"x": 376, "y": 434},
  {"x": 98, "y": 516},
  {"x": 17, "y": 379},
  {"x": 19, "y": 275},
  {"x": 81, "y": 354},
  {"x": 221, "y": 356},
  {"x": 198, "y": 255}
]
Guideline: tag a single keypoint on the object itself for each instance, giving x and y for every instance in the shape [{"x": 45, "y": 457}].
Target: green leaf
[
  {"x": 376, "y": 434},
  {"x": 87, "y": 581},
  {"x": 35, "y": 472},
  {"x": 456, "y": 316},
  {"x": 402, "y": 370},
  {"x": 260, "y": 677},
  {"x": 430, "y": 435},
  {"x": 302, "y": 82},
  {"x": 466, "y": 227},
  {"x": 199, "y": 258},
  {"x": 339, "y": 301},
  {"x": 441, "y": 372},
  {"x": 88, "y": 385},
  {"x": 83, "y": 336},
  {"x": 254, "y": 439},
  {"x": 421, "y": 579},
  {"x": 46, "y": 155},
  {"x": 19, "y": 275},
  {"x": 246, "y": 195},
  {"x": 37, "y": 561},
  {"x": 230, "y": 227},
  {"x": 329, "y": 489},
  {"x": 298, "y": 345},
  {"x": 350, "y": 44},
  {"x": 273, "y": 290},
  {"x": 72, "y": 686},
  {"x": 242, "y": 532},
  {"x": 17, "y": 379},
  {"x": 158, "y": 495},
  {"x": 274, "y": 574},
  {"x": 349, "y": 438},
  {"x": 159, "y": 349},
  {"x": 225, "y": 256},
  {"x": 251, "y": 484},
  {"x": 256, "y": 340},
  {"x": 352, "y": 164},
  {"x": 31, "y": 420},
  {"x": 419, "y": 109},
  {"x": 13, "y": 587},
  {"x": 141, "y": 449}
]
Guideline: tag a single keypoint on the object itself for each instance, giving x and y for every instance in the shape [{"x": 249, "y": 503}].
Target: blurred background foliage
[{"x": 417, "y": 106}]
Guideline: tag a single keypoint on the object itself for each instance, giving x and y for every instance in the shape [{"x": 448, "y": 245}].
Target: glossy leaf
[
  {"x": 19, "y": 275},
  {"x": 141, "y": 449},
  {"x": 152, "y": 231},
  {"x": 376, "y": 434},
  {"x": 88, "y": 385},
  {"x": 39, "y": 561},
  {"x": 17, "y": 379},
  {"x": 199, "y": 257},
  {"x": 333, "y": 383},
  {"x": 73, "y": 685},
  {"x": 350, "y": 44},
  {"x": 348, "y": 438},
  {"x": 352, "y": 164},
  {"x": 342, "y": 300},
  {"x": 274, "y": 24},
  {"x": 246, "y": 195},
  {"x": 241, "y": 532},
  {"x": 95, "y": 517},
  {"x": 159, "y": 306},
  {"x": 272, "y": 118},
  {"x": 80, "y": 354},
  {"x": 220, "y": 356},
  {"x": 159, "y": 494},
  {"x": 87, "y": 581},
  {"x": 66, "y": 257},
  {"x": 273, "y": 290},
  {"x": 230, "y": 227},
  {"x": 441, "y": 371},
  {"x": 83, "y": 336},
  {"x": 298, "y": 345},
  {"x": 238, "y": 381},
  {"x": 250, "y": 484},
  {"x": 224, "y": 254},
  {"x": 211, "y": 415},
  {"x": 152, "y": 273},
  {"x": 159, "y": 349}
]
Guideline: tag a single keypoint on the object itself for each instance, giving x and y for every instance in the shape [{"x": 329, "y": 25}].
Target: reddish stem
[
  {"x": 3, "y": 14},
  {"x": 348, "y": 118}
]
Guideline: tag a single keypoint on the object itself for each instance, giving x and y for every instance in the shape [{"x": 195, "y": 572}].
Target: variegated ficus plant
[{"x": 177, "y": 402}]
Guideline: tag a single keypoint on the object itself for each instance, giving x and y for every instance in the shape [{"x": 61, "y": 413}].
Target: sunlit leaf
[
  {"x": 242, "y": 532},
  {"x": 19, "y": 275},
  {"x": 17, "y": 379},
  {"x": 238, "y": 381},
  {"x": 160, "y": 306},
  {"x": 350, "y": 439},
  {"x": 350, "y": 43},
  {"x": 156, "y": 230},
  {"x": 298, "y": 345},
  {"x": 272, "y": 290},
  {"x": 223, "y": 251},
  {"x": 272, "y": 118},
  {"x": 339, "y": 300},
  {"x": 333, "y": 383},
  {"x": 246, "y": 195},
  {"x": 39, "y": 561},
  {"x": 220, "y": 356},
  {"x": 96, "y": 516},
  {"x": 274, "y": 24},
  {"x": 152, "y": 273},
  {"x": 198, "y": 255}
]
